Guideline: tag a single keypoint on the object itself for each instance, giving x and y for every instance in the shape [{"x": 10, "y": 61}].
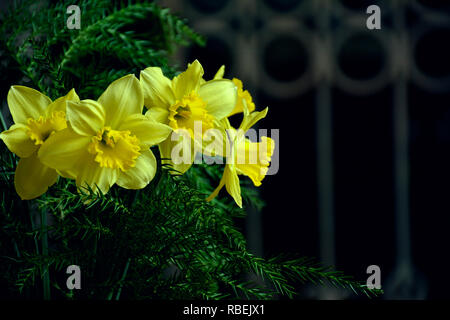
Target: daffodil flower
[
  {"x": 183, "y": 101},
  {"x": 243, "y": 95},
  {"x": 36, "y": 118},
  {"x": 107, "y": 141},
  {"x": 244, "y": 157}
]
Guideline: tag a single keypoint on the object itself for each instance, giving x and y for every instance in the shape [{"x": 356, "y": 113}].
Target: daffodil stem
[
  {"x": 44, "y": 239},
  {"x": 124, "y": 274}
]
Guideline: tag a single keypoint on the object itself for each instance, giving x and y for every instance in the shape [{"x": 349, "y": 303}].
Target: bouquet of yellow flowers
[{"x": 106, "y": 142}]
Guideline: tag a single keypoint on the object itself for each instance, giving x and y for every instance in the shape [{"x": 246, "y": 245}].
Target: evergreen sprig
[{"x": 116, "y": 38}]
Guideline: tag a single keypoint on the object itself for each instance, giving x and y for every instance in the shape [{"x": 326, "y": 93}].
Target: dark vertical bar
[
  {"x": 405, "y": 281},
  {"x": 401, "y": 166},
  {"x": 324, "y": 136},
  {"x": 247, "y": 15},
  {"x": 325, "y": 174}
]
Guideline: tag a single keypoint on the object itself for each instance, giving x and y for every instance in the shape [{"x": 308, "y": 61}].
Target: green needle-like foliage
[{"x": 162, "y": 242}]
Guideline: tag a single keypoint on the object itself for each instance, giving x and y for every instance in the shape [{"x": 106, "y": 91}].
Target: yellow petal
[
  {"x": 60, "y": 103},
  {"x": 158, "y": 114},
  {"x": 86, "y": 117},
  {"x": 254, "y": 171},
  {"x": 141, "y": 174},
  {"x": 26, "y": 103},
  {"x": 67, "y": 174},
  {"x": 244, "y": 99},
  {"x": 97, "y": 178},
  {"x": 157, "y": 88},
  {"x": 182, "y": 161},
  {"x": 220, "y": 73},
  {"x": 220, "y": 97},
  {"x": 32, "y": 178},
  {"x": 231, "y": 181},
  {"x": 147, "y": 130},
  {"x": 232, "y": 184},
  {"x": 217, "y": 190},
  {"x": 63, "y": 150},
  {"x": 250, "y": 120},
  {"x": 255, "y": 158},
  {"x": 215, "y": 142},
  {"x": 188, "y": 81},
  {"x": 122, "y": 98},
  {"x": 18, "y": 141}
]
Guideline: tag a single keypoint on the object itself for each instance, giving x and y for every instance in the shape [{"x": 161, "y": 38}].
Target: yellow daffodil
[
  {"x": 243, "y": 95},
  {"x": 36, "y": 119},
  {"x": 184, "y": 100},
  {"x": 244, "y": 157},
  {"x": 107, "y": 141}
]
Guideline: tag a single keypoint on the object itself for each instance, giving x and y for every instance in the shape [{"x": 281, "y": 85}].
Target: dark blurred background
[{"x": 364, "y": 119}]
